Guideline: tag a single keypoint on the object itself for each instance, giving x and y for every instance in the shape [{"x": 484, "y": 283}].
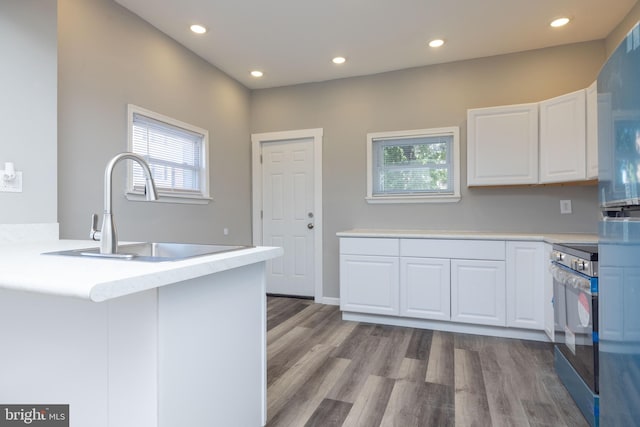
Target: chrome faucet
[{"x": 108, "y": 236}]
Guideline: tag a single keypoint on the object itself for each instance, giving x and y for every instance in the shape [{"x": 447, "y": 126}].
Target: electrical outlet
[
  {"x": 12, "y": 186},
  {"x": 565, "y": 206},
  {"x": 225, "y": 231}
]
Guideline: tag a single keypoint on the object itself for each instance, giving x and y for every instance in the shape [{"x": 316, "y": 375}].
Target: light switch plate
[
  {"x": 13, "y": 186},
  {"x": 565, "y": 206}
]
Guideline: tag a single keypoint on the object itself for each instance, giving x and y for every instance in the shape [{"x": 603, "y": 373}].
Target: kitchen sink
[{"x": 154, "y": 251}]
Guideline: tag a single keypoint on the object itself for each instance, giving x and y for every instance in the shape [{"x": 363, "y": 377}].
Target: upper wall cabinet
[
  {"x": 592, "y": 131},
  {"x": 502, "y": 145},
  {"x": 563, "y": 138},
  {"x": 551, "y": 141}
]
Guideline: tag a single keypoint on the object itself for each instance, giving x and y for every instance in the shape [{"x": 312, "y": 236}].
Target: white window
[
  {"x": 176, "y": 153},
  {"x": 413, "y": 166}
]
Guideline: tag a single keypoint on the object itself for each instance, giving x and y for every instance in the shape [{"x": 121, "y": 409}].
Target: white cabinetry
[
  {"x": 552, "y": 141},
  {"x": 425, "y": 288},
  {"x": 525, "y": 285},
  {"x": 369, "y": 275},
  {"x": 592, "y": 131},
  {"x": 502, "y": 145},
  {"x": 549, "y": 315},
  {"x": 478, "y": 292},
  {"x": 437, "y": 279},
  {"x": 494, "y": 287},
  {"x": 562, "y": 138}
]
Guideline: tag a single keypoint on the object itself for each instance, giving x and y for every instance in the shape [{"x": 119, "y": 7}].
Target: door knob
[{"x": 310, "y": 226}]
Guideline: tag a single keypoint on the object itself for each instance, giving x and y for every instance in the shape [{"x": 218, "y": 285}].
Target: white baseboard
[
  {"x": 494, "y": 331},
  {"x": 329, "y": 301}
]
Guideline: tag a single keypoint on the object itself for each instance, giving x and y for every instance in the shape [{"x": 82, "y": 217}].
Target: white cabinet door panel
[
  {"x": 563, "y": 138},
  {"x": 592, "y": 131},
  {"x": 478, "y": 292},
  {"x": 549, "y": 315},
  {"x": 425, "y": 288},
  {"x": 525, "y": 285},
  {"x": 369, "y": 284},
  {"x": 502, "y": 145}
]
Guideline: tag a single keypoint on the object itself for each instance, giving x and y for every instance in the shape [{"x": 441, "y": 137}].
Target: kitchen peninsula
[{"x": 128, "y": 343}]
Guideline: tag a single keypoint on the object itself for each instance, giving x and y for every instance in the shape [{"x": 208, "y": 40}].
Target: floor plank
[
  {"x": 471, "y": 403},
  {"x": 286, "y": 386},
  {"x": 419, "y": 404},
  {"x": 440, "y": 367},
  {"x": 306, "y": 399},
  {"x": 369, "y": 407},
  {"x": 330, "y": 413}
]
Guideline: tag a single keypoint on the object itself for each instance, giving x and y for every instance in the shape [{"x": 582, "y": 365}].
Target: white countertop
[
  {"x": 471, "y": 235},
  {"x": 24, "y": 268}
]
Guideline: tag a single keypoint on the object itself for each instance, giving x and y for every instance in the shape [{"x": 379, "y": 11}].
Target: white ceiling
[{"x": 293, "y": 41}]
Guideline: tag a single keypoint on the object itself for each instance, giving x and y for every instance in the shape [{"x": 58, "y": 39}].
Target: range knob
[{"x": 559, "y": 256}]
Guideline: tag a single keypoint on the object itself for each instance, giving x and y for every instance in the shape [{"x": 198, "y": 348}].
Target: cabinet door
[
  {"x": 525, "y": 285},
  {"x": 502, "y": 145},
  {"x": 425, "y": 288},
  {"x": 592, "y": 131},
  {"x": 549, "y": 316},
  {"x": 563, "y": 138},
  {"x": 369, "y": 284},
  {"x": 478, "y": 292}
]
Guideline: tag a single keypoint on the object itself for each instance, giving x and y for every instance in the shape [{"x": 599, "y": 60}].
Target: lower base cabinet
[
  {"x": 477, "y": 282},
  {"x": 478, "y": 292},
  {"x": 369, "y": 284},
  {"x": 526, "y": 267},
  {"x": 425, "y": 288}
]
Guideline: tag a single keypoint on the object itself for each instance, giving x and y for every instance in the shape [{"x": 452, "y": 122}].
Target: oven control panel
[{"x": 573, "y": 262}]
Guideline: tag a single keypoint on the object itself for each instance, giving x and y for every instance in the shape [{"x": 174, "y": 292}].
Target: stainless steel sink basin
[{"x": 153, "y": 252}]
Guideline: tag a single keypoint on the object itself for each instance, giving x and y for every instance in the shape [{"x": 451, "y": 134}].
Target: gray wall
[
  {"x": 109, "y": 57},
  {"x": 426, "y": 97},
  {"x": 28, "y": 121}
]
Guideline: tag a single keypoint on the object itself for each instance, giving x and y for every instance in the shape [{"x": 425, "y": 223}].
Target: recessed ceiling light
[
  {"x": 436, "y": 43},
  {"x": 560, "y": 22},
  {"x": 257, "y": 73},
  {"x": 198, "y": 29},
  {"x": 339, "y": 60}
]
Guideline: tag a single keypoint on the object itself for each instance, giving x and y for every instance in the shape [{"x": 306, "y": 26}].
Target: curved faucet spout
[
  {"x": 151, "y": 192},
  {"x": 108, "y": 235}
]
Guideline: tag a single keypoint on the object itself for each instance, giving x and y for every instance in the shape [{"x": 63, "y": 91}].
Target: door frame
[{"x": 257, "y": 140}]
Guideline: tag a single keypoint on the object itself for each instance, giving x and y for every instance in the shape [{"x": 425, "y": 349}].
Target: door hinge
[
  {"x": 260, "y": 158},
  {"x": 261, "y": 216}
]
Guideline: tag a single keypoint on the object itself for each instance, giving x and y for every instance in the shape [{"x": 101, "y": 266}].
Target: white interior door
[{"x": 288, "y": 219}]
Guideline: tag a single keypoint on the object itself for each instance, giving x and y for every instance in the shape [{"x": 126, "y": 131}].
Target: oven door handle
[{"x": 569, "y": 279}]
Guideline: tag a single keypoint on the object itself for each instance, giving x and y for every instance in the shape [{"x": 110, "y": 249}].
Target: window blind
[
  {"x": 413, "y": 165},
  {"x": 174, "y": 155}
]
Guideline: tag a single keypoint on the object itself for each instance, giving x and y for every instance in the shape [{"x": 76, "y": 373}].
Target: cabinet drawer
[
  {"x": 454, "y": 249},
  {"x": 369, "y": 246}
]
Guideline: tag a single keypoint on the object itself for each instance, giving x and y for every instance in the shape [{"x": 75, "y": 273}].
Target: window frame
[
  {"x": 454, "y": 196},
  {"x": 170, "y": 195}
]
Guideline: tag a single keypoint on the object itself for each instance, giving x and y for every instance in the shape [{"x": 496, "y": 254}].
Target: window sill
[
  {"x": 170, "y": 198},
  {"x": 413, "y": 199}
]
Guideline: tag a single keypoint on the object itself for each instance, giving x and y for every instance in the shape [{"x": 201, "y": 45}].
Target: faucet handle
[{"x": 94, "y": 234}]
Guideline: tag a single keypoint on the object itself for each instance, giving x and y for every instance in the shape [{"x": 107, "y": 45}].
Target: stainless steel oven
[{"x": 575, "y": 280}]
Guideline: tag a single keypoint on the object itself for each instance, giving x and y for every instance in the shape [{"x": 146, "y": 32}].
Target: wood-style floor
[{"x": 323, "y": 371}]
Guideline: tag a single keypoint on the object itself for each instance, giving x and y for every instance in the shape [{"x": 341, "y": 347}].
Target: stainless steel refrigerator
[{"x": 619, "y": 234}]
